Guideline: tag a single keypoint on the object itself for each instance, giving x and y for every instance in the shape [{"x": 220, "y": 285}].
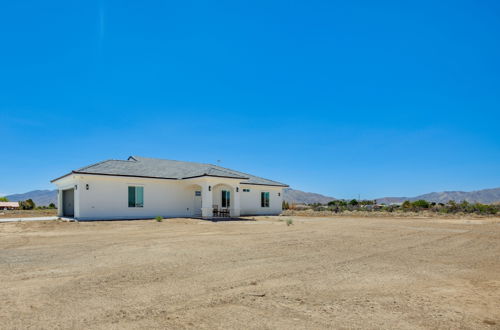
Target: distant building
[{"x": 9, "y": 205}]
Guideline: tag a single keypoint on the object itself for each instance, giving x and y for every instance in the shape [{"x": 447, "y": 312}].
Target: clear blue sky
[{"x": 341, "y": 98}]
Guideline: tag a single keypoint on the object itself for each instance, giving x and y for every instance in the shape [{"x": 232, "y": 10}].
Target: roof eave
[
  {"x": 126, "y": 175},
  {"x": 266, "y": 184},
  {"x": 59, "y": 178},
  {"x": 216, "y": 176}
]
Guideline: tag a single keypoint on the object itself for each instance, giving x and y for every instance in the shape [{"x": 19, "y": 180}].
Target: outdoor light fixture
[
  {"x": 87, "y": 186},
  {"x": 237, "y": 189},
  {"x": 76, "y": 186},
  {"x": 209, "y": 188}
]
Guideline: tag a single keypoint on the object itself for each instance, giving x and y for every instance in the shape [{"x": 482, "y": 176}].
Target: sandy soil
[
  {"x": 27, "y": 213},
  {"x": 317, "y": 273}
]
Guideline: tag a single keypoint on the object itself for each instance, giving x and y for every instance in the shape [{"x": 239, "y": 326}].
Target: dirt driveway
[{"x": 317, "y": 273}]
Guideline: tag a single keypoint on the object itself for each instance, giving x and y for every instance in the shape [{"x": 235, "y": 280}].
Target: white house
[{"x": 147, "y": 187}]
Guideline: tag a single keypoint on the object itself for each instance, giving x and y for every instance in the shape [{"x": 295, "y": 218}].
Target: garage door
[{"x": 69, "y": 203}]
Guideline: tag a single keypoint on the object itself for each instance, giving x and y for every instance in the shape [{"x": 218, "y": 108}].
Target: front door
[
  {"x": 197, "y": 203},
  {"x": 226, "y": 199}
]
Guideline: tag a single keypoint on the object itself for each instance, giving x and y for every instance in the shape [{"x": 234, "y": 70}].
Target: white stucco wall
[
  {"x": 250, "y": 201},
  {"x": 107, "y": 197}
]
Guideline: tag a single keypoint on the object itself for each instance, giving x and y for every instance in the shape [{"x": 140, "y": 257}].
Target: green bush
[
  {"x": 27, "y": 205},
  {"x": 353, "y": 202},
  {"x": 159, "y": 219},
  {"x": 406, "y": 205},
  {"x": 289, "y": 222},
  {"x": 421, "y": 204}
]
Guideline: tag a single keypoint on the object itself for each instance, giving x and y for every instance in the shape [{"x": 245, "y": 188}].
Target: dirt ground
[
  {"x": 27, "y": 213},
  {"x": 318, "y": 273}
]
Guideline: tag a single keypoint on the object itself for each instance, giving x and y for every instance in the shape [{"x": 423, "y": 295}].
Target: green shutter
[
  {"x": 139, "y": 196},
  {"x": 264, "y": 199},
  {"x": 131, "y": 196}
]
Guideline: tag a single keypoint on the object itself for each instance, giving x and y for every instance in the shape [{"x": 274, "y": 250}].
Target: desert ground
[
  {"x": 318, "y": 273},
  {"x": 5, "y": 214}
]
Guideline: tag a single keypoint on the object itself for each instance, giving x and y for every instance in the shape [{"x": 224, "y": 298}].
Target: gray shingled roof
[{"x": 169, "y": 169}]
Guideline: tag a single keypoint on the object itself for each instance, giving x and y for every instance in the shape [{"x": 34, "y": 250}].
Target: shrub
[
  {"x": 159, "y": 219},
  {"x": 27, "y": 204},
  {"x": 289, "y": 222},
  {"x": 406, "y": 205},
  {"x": 421, "y": 204},
  {"x": 52, "y": 206},
  {"x": 4, "y": 199},
  {"x": 353, "y": 202}
]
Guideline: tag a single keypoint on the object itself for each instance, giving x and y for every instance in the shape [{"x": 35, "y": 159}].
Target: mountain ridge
[
  {"x": 301, "y": 197},
  {"x": 40, "y": 197},
  {"x": 484, "y": 196}
]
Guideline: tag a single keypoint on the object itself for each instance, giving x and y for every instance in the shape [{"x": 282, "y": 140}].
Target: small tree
[
  {"x": 353, "y": 202},
  {"x": 406, "y": 205},
  {"x": 52, "y": 206},
  {"x": 27, "y": 204},
  {"x": 421, "y": 204},
  {"x": 4, "y": 199}
]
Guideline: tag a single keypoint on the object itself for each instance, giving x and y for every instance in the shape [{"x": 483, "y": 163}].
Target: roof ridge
[
  {"x": 101, "y": 162},
  {"x": 86, "y": 167},
  {"x": 225, "y": 171},
  {"x": 222, "y": 169},
  {"x": 170, "y": 160},
  {"x": 250, "y": 175}
]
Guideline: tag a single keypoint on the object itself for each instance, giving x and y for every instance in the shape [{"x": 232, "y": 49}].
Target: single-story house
[
  {"x": 9, "y": 205},
  {"x": 142, "y": 187}
]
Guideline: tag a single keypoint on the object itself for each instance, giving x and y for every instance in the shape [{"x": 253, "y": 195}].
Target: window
[
  {"x": 135, "y": 196},
  {"x": 197, "y": 193},
  {"x": 246, "y": 190},
  {"x": 226, "y": 198},
  {"x": 264, "y": 199}
]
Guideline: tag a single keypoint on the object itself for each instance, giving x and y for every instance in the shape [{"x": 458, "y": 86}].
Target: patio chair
[
  {"x": 216, "y": 210},
  {"x": 224, "y": 213}
]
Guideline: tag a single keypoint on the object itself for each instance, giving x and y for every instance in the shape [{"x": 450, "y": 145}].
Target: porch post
[
  {"x": 207, "y": 201},
  {"x": 60, "y": 203},
  {"x": 235, "y": 209},
  {"x": 76, "y": 201}
]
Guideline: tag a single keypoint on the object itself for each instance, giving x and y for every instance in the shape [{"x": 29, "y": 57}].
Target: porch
[{"x": 215, "y": 198}]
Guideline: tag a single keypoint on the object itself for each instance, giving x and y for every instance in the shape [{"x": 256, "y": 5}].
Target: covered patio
[{"x": 220, "y": 197}]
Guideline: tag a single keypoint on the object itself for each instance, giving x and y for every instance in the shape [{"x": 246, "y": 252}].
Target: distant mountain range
[
  {"x": 485, "y": 196},
  {"x": 40, "y": 197},
  {"x": 300, "y": 197}
]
